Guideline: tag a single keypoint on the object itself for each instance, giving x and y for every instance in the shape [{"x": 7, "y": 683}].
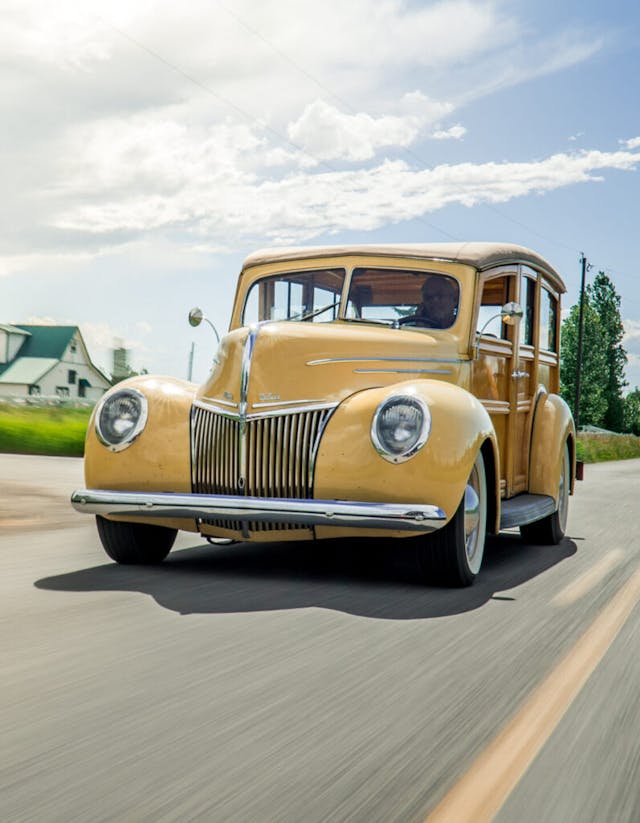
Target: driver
[{"x": 439, "y": 303}]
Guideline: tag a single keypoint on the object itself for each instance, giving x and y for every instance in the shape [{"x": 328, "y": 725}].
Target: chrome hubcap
[
  {"x": 563, "y": 491},
  {"x": 471, "y": 515}
]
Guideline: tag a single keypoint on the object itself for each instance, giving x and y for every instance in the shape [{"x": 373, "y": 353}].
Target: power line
[{"x": 221, "y": 98}]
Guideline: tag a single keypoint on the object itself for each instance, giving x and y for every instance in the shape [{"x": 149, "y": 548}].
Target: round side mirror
[
  {"x": 196, "y": 317},
  {"x": 511, "y": 312}
]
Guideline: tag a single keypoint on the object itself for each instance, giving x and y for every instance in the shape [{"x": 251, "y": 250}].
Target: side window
[
  {"x": 495, "y": 294},
  {"x": 527, "y": 301},
  {"x": 548, "y": 321}
]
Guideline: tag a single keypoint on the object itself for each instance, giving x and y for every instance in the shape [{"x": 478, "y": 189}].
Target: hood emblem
[{"x": 266, "y": 397}]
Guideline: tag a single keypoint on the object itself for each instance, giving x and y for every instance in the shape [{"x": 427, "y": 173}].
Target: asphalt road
[{"x": 300, "y": 682}]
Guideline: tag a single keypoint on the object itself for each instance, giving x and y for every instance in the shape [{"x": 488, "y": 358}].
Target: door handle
[{"x": 519, "y": 374}]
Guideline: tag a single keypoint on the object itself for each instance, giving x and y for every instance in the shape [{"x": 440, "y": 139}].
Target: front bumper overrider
[{"x": 139, "y": 505}]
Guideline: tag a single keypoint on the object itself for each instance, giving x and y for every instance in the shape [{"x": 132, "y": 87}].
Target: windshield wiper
[{"x": 317, "y": 312}]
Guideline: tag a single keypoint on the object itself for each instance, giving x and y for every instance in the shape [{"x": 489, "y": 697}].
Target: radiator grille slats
[{"x": 278, "y": 453}]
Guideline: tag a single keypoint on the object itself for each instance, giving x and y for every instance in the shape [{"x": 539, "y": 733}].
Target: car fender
[
  {"x": 348, "y": 466},
  {"x": 159, "y": 459},
  {"x": 552, "y": 427}
]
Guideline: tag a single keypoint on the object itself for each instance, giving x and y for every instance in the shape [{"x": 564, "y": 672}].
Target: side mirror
[
  {"x": 511, "y": 312},
  {"x": 196, "y": 317}
]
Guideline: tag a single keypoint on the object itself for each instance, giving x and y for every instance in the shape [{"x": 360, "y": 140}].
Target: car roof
[{"x": 481, "y": 256}]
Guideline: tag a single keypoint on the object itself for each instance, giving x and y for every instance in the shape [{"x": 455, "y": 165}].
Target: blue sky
[{"x": 146, "y": 151}]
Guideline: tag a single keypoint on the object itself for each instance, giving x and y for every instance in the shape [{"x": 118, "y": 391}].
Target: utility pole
[
  {"x": 576, "y": 402},
  {"x": 193, "y": 345}
]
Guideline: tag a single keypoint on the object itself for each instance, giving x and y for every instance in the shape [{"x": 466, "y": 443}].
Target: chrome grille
[{"x": 275, "y": 460}]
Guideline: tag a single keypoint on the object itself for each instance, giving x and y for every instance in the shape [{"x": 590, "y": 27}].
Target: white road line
[{"x": 589, "y": 580}]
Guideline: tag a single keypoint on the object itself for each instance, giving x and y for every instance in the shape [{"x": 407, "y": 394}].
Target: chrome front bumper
[{"x": 136, "y": 505}]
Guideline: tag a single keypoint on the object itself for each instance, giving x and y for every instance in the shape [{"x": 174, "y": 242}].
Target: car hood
[{"x": 280, "y": 364}]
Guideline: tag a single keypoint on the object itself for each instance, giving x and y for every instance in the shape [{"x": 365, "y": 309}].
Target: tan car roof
[{"x": 481, "y": 256}]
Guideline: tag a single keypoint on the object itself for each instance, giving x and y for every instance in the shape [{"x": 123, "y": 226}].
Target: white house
[{"x": 50, "y": 361}]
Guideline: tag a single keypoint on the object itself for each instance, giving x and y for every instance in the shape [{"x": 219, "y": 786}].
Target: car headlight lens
[
  {"x": 121, "y": 417},
  {"x": 400, "y": 427}
]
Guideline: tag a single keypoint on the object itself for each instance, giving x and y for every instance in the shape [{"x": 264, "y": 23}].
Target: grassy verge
[
  {"x": 595, "y": 448},
  {"x": 54, "y": 431}
]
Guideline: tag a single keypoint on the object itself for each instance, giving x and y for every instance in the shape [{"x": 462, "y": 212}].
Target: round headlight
[
  {"x": 400, "y": 427},
  {"x": 121, "y": 417}
]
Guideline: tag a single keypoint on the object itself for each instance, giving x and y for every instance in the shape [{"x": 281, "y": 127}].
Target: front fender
[
  {"x": 159, "y": 459},
  {"x": 348, "y": 467},
  {"x": 553, "y": 426}
]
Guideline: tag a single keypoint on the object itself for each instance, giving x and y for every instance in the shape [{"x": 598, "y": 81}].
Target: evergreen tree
[
  {"x": 593, "y": 400},
  {"x": 606, "y": 303},
  {"x": 632, "y": 412}
]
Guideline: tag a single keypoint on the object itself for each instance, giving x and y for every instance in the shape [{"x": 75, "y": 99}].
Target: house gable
[{"x": 52, "y": 360}]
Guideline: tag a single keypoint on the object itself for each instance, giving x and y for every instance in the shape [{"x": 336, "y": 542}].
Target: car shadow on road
[{"x": 362, "y": 577}]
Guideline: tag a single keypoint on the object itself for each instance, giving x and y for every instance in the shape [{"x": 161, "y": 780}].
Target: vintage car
[{"x": 400, "y": 391}]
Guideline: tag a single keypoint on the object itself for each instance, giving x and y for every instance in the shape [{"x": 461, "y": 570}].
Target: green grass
[
  {"x": 60, "y": 431},
  {"x": 55, "y": 430},
  {"x": 595, "y": 448}
]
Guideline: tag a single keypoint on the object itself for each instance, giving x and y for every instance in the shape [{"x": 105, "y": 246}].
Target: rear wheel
[
  {"x": 135, "y": 543},
  {"x": 551, "y": 529},
  {"x": 452, "y": 555}
]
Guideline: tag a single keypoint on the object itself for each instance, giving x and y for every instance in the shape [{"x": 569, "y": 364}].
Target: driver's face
[{"x": 441, "y": 295}]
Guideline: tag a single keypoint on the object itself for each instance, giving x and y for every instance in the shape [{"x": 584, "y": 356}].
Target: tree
[
  {"x": 593, "y": 401},
  {"x": 606, "y": 303},
  {"x": 632, "y": 412}
]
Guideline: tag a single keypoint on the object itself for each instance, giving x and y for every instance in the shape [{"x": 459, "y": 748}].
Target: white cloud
[
  {"x": 631, "y": 334},
  {"x": 633, "y": 143},
  {"x": 326, "y": 133},
  {"x": 148, "y": 117},
  {"x": 302, "y": 205},
  {"x": 456, "y": 132}
]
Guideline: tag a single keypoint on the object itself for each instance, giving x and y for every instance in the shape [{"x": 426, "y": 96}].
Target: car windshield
[
  {"x": 403, "y": 298},
  {"x": 300, "y": 295}
]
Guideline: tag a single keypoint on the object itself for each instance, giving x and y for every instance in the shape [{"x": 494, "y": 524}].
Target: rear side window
[
  {"x": 548, "y": 321},
  {"x": 527, "y": 301}
]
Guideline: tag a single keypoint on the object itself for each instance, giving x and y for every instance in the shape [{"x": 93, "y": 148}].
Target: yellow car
[{"x": 405, "y": 391}]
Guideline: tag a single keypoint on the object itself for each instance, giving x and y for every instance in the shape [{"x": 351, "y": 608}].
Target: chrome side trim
[
  {"x": 225, "y": 402},
  {"x": 384, "y": 360},
  {"x": 403, "y": 371},
  {"x": 139, "y": 505}
]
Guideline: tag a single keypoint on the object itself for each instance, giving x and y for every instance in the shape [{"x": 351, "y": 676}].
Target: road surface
[{"x": 302, "y": 683}]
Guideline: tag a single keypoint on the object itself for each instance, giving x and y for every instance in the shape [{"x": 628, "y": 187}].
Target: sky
[{"x": 147, "y": 148}]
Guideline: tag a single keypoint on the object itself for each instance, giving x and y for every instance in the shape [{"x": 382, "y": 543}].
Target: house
[{"x": 52, "y": 361}]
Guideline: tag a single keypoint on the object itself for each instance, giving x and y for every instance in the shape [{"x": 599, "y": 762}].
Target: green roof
[
  {"x": 13, "y": 330},
  {"x": 27, "y": 370},
  {"x": 46, "y": 341}
]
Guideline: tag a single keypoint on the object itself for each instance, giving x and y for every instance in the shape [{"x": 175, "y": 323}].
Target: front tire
[
  {"x": 452, "y": 555},
  {"x": 135, "y": 543},
  {"x": 551, "y": 529}
]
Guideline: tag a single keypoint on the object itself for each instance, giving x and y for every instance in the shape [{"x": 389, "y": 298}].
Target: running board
[{"x": 525, "y": 508}]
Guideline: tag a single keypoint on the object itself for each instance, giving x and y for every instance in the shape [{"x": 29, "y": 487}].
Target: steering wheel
[{"x": 414, "y": 320}]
